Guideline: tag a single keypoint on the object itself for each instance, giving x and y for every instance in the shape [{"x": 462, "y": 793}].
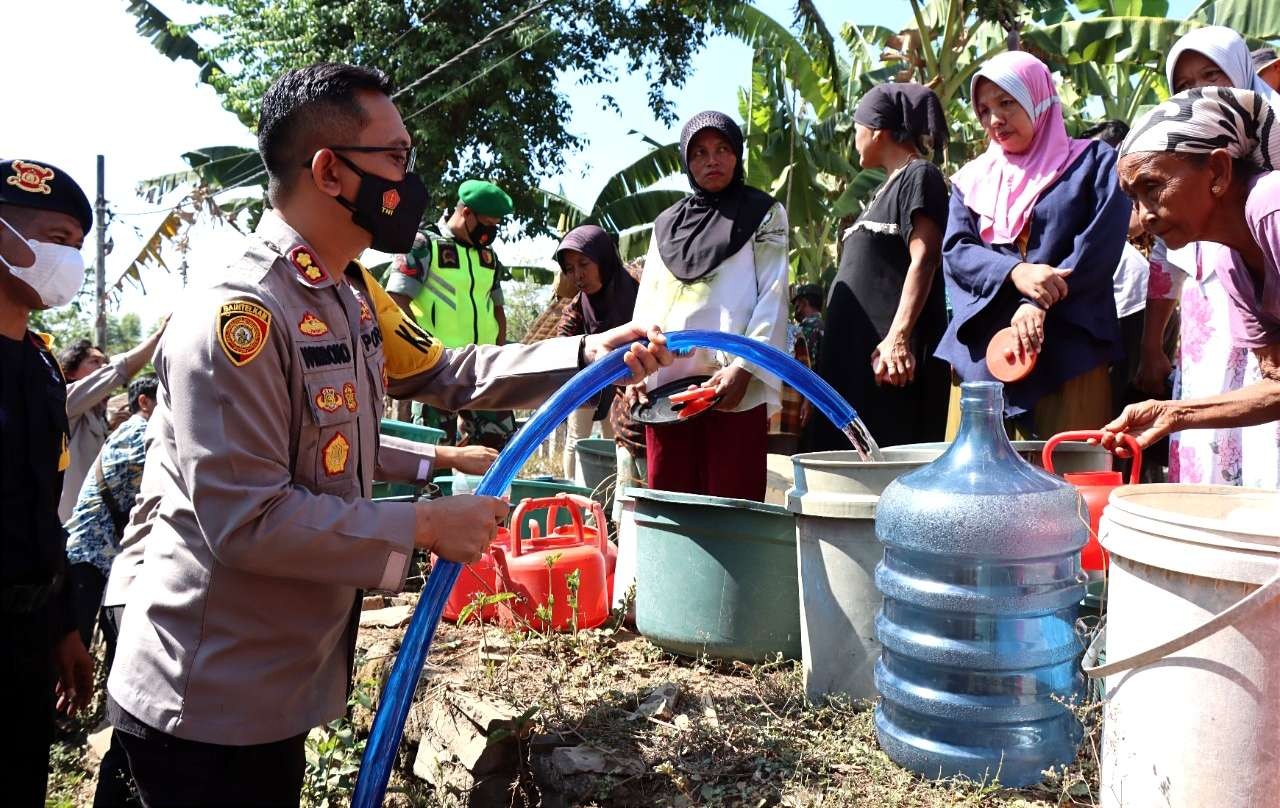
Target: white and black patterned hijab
[{"x": 1207, "y": 118}]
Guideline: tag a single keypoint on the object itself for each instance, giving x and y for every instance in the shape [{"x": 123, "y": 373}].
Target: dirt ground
[{"x": 658, "y": 730}]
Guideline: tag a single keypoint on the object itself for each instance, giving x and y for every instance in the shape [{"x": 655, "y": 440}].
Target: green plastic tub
[
  {"x": 413, "y": 432},
  {"x": 716, "y": 576},
  {"x": 598, "y": 459}
]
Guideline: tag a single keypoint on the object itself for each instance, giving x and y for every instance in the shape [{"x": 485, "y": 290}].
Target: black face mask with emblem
[
  {"x": 481, "y": 234},
  {"x": 391, "y": 211}
]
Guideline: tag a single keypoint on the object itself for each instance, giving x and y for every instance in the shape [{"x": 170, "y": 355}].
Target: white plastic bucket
[
  {"x": 624, "y": 572},
  {"x": 1192, "y": 718}
]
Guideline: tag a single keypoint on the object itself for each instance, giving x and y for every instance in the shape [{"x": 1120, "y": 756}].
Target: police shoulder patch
[
  {"x": 334, "y": 455},
  {"x": 243, "y": 327},
  {"x": 307, "y": 264}
]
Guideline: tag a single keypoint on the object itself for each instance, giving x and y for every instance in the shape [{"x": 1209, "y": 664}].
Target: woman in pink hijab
[{"x": 1036, "y": 228}]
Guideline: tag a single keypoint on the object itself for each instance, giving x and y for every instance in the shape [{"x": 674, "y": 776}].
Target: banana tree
[{"x": 628, "y": 203}]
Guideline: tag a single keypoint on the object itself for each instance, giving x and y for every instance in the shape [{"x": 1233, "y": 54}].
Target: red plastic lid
[{"x": 1004, "y": 357}]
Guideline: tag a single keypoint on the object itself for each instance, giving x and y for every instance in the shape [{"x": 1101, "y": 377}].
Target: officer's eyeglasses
[{"x": 409, "y": 154}]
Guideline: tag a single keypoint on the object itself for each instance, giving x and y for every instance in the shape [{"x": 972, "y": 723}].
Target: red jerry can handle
[
  {"x": 1046, "y": 457},
  {"x": 552, "y": 505},
  {"x": 585, "y": 505}
]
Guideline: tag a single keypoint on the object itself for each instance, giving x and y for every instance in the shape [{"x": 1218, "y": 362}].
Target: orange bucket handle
[
  {"x": 1046, "y": 457},
  {"x": 552, "y": 505}
]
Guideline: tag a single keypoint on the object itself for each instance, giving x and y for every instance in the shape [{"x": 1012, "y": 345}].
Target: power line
[{"x": 485, "y": 40}]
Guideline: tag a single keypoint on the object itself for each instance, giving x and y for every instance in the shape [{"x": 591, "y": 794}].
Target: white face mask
[{"x": 57, "y": 274}]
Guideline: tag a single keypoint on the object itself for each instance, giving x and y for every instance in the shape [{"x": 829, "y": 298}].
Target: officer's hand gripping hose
[{"x": 388, "y": 724}]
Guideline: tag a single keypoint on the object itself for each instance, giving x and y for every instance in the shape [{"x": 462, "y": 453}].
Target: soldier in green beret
[{"x": 450, "y": 283}]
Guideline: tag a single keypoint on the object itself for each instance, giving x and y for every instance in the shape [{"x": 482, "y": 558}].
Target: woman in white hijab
[{"x": 1215, "y": 56}]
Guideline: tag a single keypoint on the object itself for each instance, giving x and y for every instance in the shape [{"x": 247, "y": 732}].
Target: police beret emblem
[
  {"x": 390, "y": 201},
  {"x": 30, "y": 177},
  {"x": 307, "y": 264},
  {"x": 243, "y": 327},
  {"x": 313, "y": 326},
  {"x": 334, "y": 455}
]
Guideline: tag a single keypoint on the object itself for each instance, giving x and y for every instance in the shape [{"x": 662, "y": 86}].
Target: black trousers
[
  {"x": 175, "y": 772},
  {"x": 27, "y": 676},
  {"x": 115, "y": 783}
]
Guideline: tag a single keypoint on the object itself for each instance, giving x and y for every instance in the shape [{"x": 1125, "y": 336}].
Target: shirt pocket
[{"x": 331, "y": 400}]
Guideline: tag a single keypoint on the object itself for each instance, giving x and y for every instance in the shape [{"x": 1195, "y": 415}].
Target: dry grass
[{"x": 740, "y": 735}]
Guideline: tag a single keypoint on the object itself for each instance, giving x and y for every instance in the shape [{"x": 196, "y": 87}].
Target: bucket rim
[
  {"x": 1123, "y": 501},
  {"x": 679, "y": 498}
]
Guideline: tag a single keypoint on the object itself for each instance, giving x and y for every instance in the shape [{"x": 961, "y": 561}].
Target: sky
[{"x": 118, "y": 97}]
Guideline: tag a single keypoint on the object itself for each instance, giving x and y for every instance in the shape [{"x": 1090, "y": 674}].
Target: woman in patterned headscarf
[
  {"x": 718, "y": 261},
  {"x": 1202, "y": 167}
]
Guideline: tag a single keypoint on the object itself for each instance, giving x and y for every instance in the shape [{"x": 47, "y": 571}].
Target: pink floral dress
[{"x": 1208, "y": 363}]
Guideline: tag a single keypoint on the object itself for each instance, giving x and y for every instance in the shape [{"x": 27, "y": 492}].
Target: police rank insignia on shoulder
[
  {"x": 334, "y": 455},
  {"x": 313, "y": 326},
  {"x": 243, "y": 327},
  {"x": 307, "y": 264},
  {"x": 30, "y": 177}
]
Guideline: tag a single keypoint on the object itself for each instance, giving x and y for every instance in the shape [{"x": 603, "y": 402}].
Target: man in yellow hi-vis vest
[{"x": 450, "y": 283}]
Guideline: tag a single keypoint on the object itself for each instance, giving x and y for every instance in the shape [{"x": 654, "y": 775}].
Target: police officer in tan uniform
[{"x": 237, "y": 636}]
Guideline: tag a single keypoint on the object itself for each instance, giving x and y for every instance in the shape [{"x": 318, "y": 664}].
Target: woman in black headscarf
[
  {"x": 718, "y": 261},
  {"x": 606, "y": 298},
  {"x": 886, "y": 311}
]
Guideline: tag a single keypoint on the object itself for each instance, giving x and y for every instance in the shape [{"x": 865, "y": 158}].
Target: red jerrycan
[
  {"x": 598, "y": 528},
  {"x": 523, "y": 567},
  {"x": 1094, "y": 487},
  {"x": 478, "y": 578}
]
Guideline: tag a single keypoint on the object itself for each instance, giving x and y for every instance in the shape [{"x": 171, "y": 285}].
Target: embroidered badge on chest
[
  {"x": 349, "y": 396},
  {"x": 328, "y": 399},
  {"x": 29, "y": 177},
  {"x": 366, "y": 314},
  {"x": 335, "y": 454},
  {"x": 313, "y": 326},
  {"x": 307, "y": 264},
  {"x": 243, "y": 327}
]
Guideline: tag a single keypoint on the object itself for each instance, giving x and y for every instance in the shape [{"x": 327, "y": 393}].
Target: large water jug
[{"x": 981, "y": 581}]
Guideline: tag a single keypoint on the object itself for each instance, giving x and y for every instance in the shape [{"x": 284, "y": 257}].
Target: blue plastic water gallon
[{"x": 981, "y": 581}]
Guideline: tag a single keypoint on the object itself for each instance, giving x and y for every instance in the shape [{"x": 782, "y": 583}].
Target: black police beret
[{"x": 32, "y": 184}]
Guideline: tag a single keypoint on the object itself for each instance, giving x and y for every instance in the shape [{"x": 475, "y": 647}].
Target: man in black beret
[{"x": 43, "y": 218}]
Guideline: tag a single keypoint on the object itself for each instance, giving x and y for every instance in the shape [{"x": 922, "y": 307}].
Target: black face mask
[
  {"x": 481, "y": 234},
  {"x": 391, "y": 211}
]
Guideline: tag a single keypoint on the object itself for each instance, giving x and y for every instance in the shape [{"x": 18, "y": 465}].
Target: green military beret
[{"x": 485, "y": 198}]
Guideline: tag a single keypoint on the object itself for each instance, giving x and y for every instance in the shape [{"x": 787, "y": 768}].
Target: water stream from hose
[{"x": 397, "y": 696}]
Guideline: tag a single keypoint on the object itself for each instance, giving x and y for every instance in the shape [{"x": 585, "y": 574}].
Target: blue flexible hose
[{"x": 397, "y": 696}]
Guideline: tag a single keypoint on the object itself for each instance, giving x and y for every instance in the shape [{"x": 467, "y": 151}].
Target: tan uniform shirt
[
  {"x": 238, "y": 628},
  {"x": 88, "y": 425}
]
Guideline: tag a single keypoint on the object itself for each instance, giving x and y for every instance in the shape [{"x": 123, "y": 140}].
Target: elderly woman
[
  {"x": 718, "y": 261},
  {"x": 1202, "y": 167},
  {"x": 1035, "y": 232},
  {"x": 1208, "y": 362},
  {"x": 886, "y": 312}
]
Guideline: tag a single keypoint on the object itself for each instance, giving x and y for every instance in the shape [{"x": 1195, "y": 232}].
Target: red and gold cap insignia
[
  {"x": 335, "y": 454},
  {"x": 307, "y": 264},
  {"x": 328, "y": 399},
  {"x": 243, "y": 327},
  {"x": 349, "y": 395},
  {"x": 390, "y": 201},
  {"x": 312, "y": 325},
  {"x": 30, "y": 177}
]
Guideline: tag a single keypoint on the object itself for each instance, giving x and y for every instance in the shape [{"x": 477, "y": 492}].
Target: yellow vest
[{"x": 456, "y": 304}]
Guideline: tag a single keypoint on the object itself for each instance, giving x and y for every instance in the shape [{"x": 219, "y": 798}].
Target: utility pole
[{"x": 100, "y": 276}]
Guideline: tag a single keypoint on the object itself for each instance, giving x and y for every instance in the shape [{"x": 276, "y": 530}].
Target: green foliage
[
  {"x": 72, "y": 323},
  {"x": 481, "y": 601},
  {"x": 496, "y": 113},
  {"x": 333, "y": 755}
]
